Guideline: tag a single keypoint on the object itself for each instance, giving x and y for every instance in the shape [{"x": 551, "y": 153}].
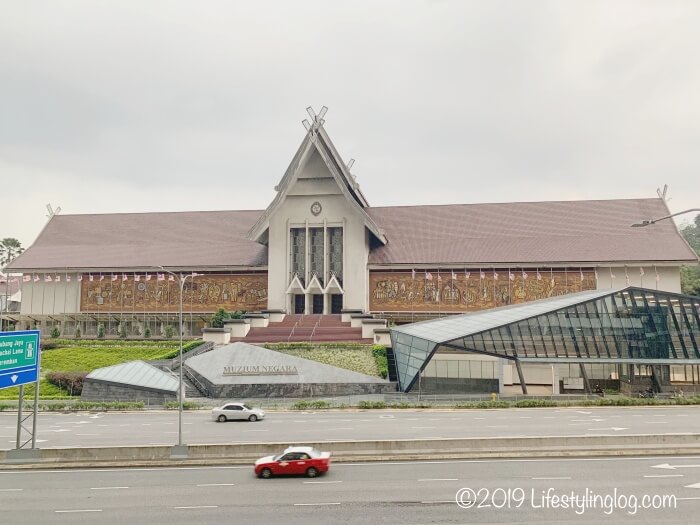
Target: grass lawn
[
  {"x": 46, "y": 391},
  {"x": 355, "y": 357},
  {"x": 86, "y": 355},
  {"x": 68, "y": 357}
]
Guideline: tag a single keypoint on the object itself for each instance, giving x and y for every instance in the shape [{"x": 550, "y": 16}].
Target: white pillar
[
  {"x": 501, "y": 367},
  {"x": 555, "y": 380}
]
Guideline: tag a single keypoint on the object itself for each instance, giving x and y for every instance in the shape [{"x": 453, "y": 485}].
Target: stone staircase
[
  {"x": 191, "y": 391},
  {"x": 306, "y": 328}
]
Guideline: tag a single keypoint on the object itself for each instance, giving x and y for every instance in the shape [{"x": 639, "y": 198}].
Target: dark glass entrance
[
  {"x": 336, "y": 303},
  {"x": 317, "y": 304},
  {"x": 299, "y": 303}
]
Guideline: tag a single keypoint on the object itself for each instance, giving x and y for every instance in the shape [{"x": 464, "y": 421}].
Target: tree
[
  {"x": 690, "y": 275},
  {"x": 9, "y": 249},
  {"x": 217, "y": 320}
]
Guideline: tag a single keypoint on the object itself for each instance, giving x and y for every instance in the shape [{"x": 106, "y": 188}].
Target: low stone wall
[
  {"x": 105, "y": 391},
  {"x": 605, "y": 384},
  {"x": 448, "y": 385}
]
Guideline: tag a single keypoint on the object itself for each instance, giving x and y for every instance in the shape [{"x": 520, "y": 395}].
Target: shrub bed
[{"x": 71, "y": 382}]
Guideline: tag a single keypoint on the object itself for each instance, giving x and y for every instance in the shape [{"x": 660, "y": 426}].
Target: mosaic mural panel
[
  {"x": 207, "y": 293},
  {"x": 470, "y": 291}
]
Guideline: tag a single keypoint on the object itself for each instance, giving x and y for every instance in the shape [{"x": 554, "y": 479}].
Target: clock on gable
[{"x": 316, "y": 208}]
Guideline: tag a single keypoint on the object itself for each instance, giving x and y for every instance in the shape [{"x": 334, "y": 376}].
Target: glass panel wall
[{"x": 630, "y": 324}]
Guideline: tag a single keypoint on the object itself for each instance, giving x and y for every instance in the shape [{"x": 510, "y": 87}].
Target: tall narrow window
[
  {"x": 335, "y": 253},
  {"x": 298, "y": 249},
  {"x": 316, "y": 254}
]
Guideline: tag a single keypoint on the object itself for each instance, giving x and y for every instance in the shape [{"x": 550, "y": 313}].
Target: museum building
[{"x": 320, "y": 248}]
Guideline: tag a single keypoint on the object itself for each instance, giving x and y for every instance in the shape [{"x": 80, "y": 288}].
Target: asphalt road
[
  {"x": 160, "y": 428},
  {"x": 505, "y": 491}
]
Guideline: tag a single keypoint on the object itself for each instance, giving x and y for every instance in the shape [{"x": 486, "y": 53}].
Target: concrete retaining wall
[{"x": 377, "y": 450}]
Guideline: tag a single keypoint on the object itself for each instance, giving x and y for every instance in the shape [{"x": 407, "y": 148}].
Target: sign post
[{"x": 19, "y": 365}]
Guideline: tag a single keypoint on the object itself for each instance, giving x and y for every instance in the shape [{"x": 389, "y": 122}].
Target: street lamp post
[
  {"x": 648, "y": 222},
  {"x": 181, "y": 280}
]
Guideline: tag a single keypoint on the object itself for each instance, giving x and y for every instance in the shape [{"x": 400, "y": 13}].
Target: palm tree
[{"x": 9, "y": 249}]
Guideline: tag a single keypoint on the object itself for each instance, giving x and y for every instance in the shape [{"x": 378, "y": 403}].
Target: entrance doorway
[
  {"x": 336, "y": 303},
  {"x": 317, "y": 305},
  {"x": 299, "y": 303}
]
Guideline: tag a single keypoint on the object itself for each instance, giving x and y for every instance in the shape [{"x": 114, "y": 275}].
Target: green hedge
[
  {"x": 379, "y": 353},
  {"x": 186, "y": 405},
  {"x": 310, "y": 405},
  {"x": 81, "y": 405}
]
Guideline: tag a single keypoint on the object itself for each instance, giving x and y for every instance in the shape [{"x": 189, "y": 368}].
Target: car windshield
[{"x": 246, "y": 407}]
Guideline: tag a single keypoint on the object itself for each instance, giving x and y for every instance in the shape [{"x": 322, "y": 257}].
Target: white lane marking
[
  {"x": 322, "y": 482},
  {"x": 663, "y": 476},
  {"x": 479, "y": 418},
  {"x": 199, "y": 507},
  {"x": 343, "y": 465},
  {"x": 563, "y": 477},
  {"x": 693, "y": 486},
  {"x": 438, "y": 479},
  {"x": 216, "y": 485},
  {"x": 314, "y": 504},
  {"x": 108, "y": 488},
  {"x": 525, "y": 417},
  {"x": 11, "y": 490},
  {"x": 438, "y": 501},
  {"x": 79, "y": 510}
]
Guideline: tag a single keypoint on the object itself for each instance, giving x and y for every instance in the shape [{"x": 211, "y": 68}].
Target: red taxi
[{"x": 294, "y": 460}]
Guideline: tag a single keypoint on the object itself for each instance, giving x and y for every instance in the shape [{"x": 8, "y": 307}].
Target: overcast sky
[{"x": 129, "y": 106}]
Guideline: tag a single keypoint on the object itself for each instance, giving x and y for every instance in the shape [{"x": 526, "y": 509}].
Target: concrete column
[
  {"x": 523, "y": 385},
  {"x": 584, "y": 375},
  {"x": 501, "y": 367},
  {"x": 555, "y": 380}
]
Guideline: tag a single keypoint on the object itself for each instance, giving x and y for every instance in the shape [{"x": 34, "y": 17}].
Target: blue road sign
[{"x": 19, "y": 358}]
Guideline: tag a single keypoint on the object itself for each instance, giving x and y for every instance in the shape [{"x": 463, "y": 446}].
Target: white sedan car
[{"x": 231, "y": 411}]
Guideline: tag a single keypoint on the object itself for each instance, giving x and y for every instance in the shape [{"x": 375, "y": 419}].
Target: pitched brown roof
[
  {"x": 141, "y": 240},
  {"x": 528, "y": 232},
  {"x": 507, "y": 233}
]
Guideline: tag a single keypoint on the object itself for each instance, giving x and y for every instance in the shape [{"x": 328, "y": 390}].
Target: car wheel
[
  {"x": 253, "y": 418},
  {"x": 311, "y": 472},
  {"x": 221, "y": 418},
  {"x": 266, "y": 473}
]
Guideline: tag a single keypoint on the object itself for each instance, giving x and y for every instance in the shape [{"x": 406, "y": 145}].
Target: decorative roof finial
[{"x": 316, "y": 119}]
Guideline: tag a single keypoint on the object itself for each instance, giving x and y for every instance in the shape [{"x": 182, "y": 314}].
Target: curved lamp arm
[{"x": 647, "y": 222}]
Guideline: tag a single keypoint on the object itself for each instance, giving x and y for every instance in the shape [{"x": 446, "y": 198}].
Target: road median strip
[{"x": 364, "y": 450}]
